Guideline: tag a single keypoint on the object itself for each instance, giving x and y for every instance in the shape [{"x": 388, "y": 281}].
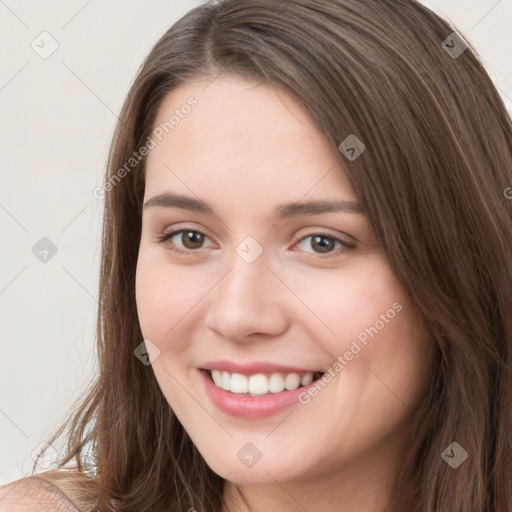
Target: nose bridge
[
  {"x": 248, "y": 299},
  {"x": 247, "y": 285}
]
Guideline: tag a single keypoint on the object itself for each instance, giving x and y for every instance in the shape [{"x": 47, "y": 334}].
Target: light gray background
[{"x": 57, "y": 119}]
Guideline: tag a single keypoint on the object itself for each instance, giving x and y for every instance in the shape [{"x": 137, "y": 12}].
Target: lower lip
[{"x": 249, "y": 407}]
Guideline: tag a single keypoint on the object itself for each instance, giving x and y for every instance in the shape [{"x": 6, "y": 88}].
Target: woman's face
[{"x": 269, "y": 295}]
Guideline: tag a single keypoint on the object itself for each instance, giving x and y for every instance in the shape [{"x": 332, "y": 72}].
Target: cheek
[
  {"x": 166, "y": 295},
  {"x": 352, "y": 303},
  {"x": 385, "y": 357},
  {"x": 367, "y": 320},
  {"x": 348, "y": 303}
]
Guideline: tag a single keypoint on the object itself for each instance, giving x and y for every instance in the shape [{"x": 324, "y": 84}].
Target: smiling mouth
[{"x": 260, "y": 384}]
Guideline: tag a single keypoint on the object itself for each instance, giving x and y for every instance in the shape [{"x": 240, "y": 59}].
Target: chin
[{"x": 266, "y": 470}]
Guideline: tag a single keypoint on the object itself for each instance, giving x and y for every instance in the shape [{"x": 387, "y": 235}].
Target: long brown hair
[{"x": 433, "y": 183}]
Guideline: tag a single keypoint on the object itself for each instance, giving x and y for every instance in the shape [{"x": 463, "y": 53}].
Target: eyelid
[
  {"x": 334, "y": 254},
  {"x": 345, "y": 238},
  {"x": 177, "y": 228},
  {"x": 165, "y": 236}
]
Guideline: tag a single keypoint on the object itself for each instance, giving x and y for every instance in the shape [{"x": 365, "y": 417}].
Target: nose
[{"x": 249, "y": 299}]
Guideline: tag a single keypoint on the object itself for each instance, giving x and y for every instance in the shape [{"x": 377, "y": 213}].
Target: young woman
[{"x": 306, "y": 281}]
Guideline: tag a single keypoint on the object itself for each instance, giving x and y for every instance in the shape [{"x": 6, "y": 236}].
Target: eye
[
  {"x": 325, "y": 243},
  {"x": 190, "y": 239}
]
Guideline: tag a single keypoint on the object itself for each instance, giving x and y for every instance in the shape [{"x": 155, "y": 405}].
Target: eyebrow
[{"x": 284, "y": 211}]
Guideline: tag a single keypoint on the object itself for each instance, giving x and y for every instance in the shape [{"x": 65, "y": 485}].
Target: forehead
[
  {"x": 226, "y": 94},
  {"x": 249, "y": 134}
]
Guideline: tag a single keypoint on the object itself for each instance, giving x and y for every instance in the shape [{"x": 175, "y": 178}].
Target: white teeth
[
  {"x": 307, "y": 378},
  {"x": 292, "y": 381},
  {"x": 239, "y": 383},
  {"x": 260, "y": 384},
  {"x": 217, "y": 377},
  {"x": 276, "y": 383},
  {"x": 226, "y": 381}
]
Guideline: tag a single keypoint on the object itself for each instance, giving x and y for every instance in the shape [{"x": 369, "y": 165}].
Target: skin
[{"x": 245, "y": 149}]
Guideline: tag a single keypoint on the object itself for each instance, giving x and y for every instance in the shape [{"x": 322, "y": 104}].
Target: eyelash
[{"x": 344, "y": 245}]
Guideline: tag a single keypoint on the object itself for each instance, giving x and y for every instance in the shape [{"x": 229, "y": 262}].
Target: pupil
[
  {"x": 323, "y": 246},
  {"x": 192, "y": 237}
]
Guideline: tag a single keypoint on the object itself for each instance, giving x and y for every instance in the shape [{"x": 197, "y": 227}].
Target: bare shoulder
[{"x": 35, "y": 493}]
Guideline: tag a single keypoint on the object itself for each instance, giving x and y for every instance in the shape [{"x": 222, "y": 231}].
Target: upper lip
[{"x": 254, "y": 367}]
